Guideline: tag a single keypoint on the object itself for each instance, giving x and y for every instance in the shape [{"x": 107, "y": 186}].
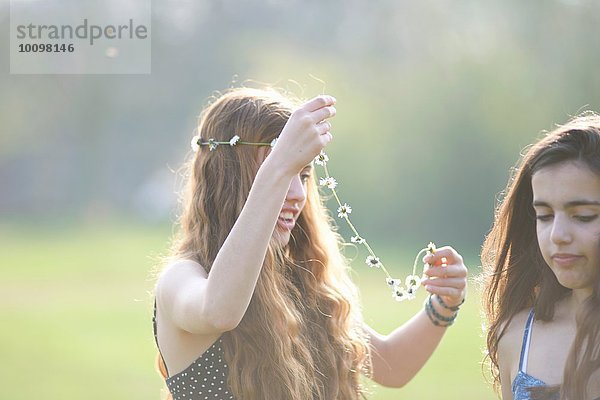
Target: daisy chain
[{"x": 412, "y": 282}]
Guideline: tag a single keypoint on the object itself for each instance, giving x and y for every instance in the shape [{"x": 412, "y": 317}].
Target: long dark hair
[{"x": 516, "y": 275}]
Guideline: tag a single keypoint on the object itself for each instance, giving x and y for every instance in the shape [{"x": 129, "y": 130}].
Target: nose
[
  {"x": 296, "y": 192},
  {"x": 560, "y": 230}
]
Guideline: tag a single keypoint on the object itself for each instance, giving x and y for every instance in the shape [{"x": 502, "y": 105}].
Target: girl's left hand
[{"x": 446, "y": 276}]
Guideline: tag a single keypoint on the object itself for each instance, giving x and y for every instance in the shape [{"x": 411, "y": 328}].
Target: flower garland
[
  {"x": 400, "y": 290},
  {"x": 234, "y": 141}
]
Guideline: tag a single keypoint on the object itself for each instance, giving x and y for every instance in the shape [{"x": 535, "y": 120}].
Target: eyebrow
[{"x": 570, "y": 204}]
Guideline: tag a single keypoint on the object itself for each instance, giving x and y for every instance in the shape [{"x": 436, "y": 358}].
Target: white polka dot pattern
[{"x": 204, "y": 379}]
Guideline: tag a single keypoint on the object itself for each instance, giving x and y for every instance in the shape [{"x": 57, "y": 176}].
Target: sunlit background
[{"x": 436, "y": 99}]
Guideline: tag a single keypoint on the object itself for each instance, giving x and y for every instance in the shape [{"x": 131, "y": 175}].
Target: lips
[
  {"x": 565, "y": 259},
  {"x": 287, "y": 219}
]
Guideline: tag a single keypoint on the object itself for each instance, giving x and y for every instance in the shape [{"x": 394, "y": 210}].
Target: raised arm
[{"x": 207, "y": 304}]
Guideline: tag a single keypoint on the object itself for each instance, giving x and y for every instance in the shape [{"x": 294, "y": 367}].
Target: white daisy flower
[
  {"x": 393, "y": 282},
  {"x": 411, "y": 293},
  {"x": 344, "y": 210},
  {"x": 373, "y": 261},
  {"x": 330, "y": 182},
  {"x": 212, "y": 144},
  {"x": 400, "y": 293},
  {"x": 234, "y": 140},
  {"x": 431, "y": 248},
  {"x": 195, "y": 143},
  {"x": 413, "y": 281},
  {"x": 321, "y": 159},
  {"x": 357, "y": 240}
]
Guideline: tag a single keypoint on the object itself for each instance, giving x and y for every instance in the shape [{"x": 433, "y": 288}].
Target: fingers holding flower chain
[
  {"x": 446, "y": 276},
  {"x": 306, "y": 133},
  {"x": 324, "y": 127}
]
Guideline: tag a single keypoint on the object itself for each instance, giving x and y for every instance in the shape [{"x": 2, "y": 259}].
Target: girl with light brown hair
[
  {"x": 256, "y": 301},
  {"x": 542, "y": 264}
]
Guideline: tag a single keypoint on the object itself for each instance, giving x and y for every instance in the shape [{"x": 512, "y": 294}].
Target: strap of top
[
  {"x": 526, "y": 342},
  {"x": 156, "y": 336}
]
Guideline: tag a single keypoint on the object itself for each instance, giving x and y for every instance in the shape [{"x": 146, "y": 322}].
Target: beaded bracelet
[
  {"x": 436, "y": 318},
  {"x": 432, "y": 318},
  {"x": 444, "y": 305}
]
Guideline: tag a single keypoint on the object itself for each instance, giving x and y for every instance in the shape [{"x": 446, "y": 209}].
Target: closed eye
[
  {"x": 544, "y": 218},
  {"x": 585, "y": 218}
]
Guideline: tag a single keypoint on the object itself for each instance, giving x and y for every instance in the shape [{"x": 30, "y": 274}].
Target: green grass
[{"x": 75, "y": 312}]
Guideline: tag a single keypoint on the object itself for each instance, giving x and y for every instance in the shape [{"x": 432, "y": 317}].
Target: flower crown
[
  {"x": 401, "y": 290},
  {"x": 234, "y": 141}
]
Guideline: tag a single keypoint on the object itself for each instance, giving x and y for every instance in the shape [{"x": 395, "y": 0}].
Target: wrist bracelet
[
  {"x": 437, "y": 315},
  {"x": 434, "y": 321},
  {"x": 444, "y": 305},
  {"x": 436, "y": 318}
]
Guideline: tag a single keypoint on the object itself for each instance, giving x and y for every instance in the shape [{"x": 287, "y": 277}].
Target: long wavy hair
[
  {"x": 301, "y": 337},
  {"x": 516, "y": 275}
]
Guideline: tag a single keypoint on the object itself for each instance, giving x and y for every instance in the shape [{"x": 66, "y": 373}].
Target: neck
[{"x": 580, "y": 295}]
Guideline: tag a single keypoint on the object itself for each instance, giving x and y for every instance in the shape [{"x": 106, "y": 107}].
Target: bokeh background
[{"x": 436, "y": 99}]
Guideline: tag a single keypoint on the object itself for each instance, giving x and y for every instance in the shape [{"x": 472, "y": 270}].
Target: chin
[
  {"x": 283, "y": 238},
  {"x": 573, "y": 283},
  {"x": 566, "y": 281}
]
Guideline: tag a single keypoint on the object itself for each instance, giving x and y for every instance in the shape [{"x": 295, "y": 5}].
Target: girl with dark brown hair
[
  {"x": 256, "y": 302},
  {"x": 542, "y": 265}
]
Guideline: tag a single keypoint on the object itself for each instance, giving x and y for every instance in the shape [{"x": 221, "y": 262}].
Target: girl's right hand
[{"x": 305, "y": 134}]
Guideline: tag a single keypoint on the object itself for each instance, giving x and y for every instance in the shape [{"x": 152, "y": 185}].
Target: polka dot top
[{"x": 204, "y": 379}]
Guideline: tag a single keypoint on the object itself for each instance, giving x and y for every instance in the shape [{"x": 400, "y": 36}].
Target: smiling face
[
  {"x": 293, "y": 205},
  {"x": 566, "y": 199}
]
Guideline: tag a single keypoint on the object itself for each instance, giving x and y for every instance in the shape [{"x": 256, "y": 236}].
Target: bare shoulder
[
  {"x": 182, "y": 265},
  {"x": 175, "y": 275},
  {"x": 513, "y": 333},
  {"x": 509, "y": 345}
]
